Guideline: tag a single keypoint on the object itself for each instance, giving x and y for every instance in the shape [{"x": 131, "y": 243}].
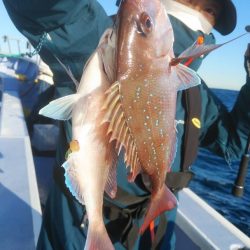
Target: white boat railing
[
  {"x": 20, "y": 209},
  {"x": 206, "y": 227}
]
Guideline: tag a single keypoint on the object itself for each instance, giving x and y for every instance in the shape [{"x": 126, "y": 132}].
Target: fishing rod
[{"x": 238, "y": 188}]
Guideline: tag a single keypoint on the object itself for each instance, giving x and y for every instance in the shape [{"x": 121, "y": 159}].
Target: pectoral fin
[
  {"x": 184, "y": 77},
  {"x": 199, "y": 48},
  {"x": 60, "y": 109}
]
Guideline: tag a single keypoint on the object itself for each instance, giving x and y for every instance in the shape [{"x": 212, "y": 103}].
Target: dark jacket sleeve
[
  {"x": 37, "y": 16},
  {"x": 73, "y": 29},
  {"x": 226, "y": 133}
]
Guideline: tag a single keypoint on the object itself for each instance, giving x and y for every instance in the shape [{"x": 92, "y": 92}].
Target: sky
[{"x": 223, "y": 68}]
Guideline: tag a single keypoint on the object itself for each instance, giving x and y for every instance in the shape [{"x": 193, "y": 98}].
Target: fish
[
  {"x": 126, "y": 100},
  {"x": 90, "y": 165},
  {"x": 141, "y": 105}
]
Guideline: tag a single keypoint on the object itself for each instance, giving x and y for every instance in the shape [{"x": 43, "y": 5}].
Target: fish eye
[{"x": 146, "y": 23}]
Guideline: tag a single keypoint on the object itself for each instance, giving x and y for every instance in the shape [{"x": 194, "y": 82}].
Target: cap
[{"x": 227, "y": 20}]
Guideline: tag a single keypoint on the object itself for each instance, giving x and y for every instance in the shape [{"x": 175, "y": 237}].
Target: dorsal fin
[{"x": 119, "y": 130}]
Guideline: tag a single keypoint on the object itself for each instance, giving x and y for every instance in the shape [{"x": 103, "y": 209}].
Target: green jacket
[{"x": 74, "y": 29}]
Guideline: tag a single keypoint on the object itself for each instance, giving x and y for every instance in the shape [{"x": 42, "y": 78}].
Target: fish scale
[{"x": 147, "y": 138}]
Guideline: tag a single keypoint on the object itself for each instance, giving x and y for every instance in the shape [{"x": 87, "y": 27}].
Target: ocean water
[{"x": 214, "y": 179}]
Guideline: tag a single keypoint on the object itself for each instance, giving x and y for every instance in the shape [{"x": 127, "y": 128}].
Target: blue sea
[{"x": 214, "y": 179}]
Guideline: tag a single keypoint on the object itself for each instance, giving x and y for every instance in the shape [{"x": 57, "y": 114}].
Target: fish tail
[
  {"x": 163, "y": 200},
  {"x": 98, "y": 239}
]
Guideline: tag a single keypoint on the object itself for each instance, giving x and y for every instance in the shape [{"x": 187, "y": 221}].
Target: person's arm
[
  {"x": 39, "y": 16},
  {"x": 73, "y": 30},
  {"x": 226, "y": 133}
]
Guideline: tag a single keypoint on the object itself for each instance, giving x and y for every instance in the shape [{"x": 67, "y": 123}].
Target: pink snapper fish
[
  {"x": 141, "y": 105},
  {"x": 90, "y": 167}
]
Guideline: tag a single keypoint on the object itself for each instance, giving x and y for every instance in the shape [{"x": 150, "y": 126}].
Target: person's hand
[{"x": 247, "y": 60}]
